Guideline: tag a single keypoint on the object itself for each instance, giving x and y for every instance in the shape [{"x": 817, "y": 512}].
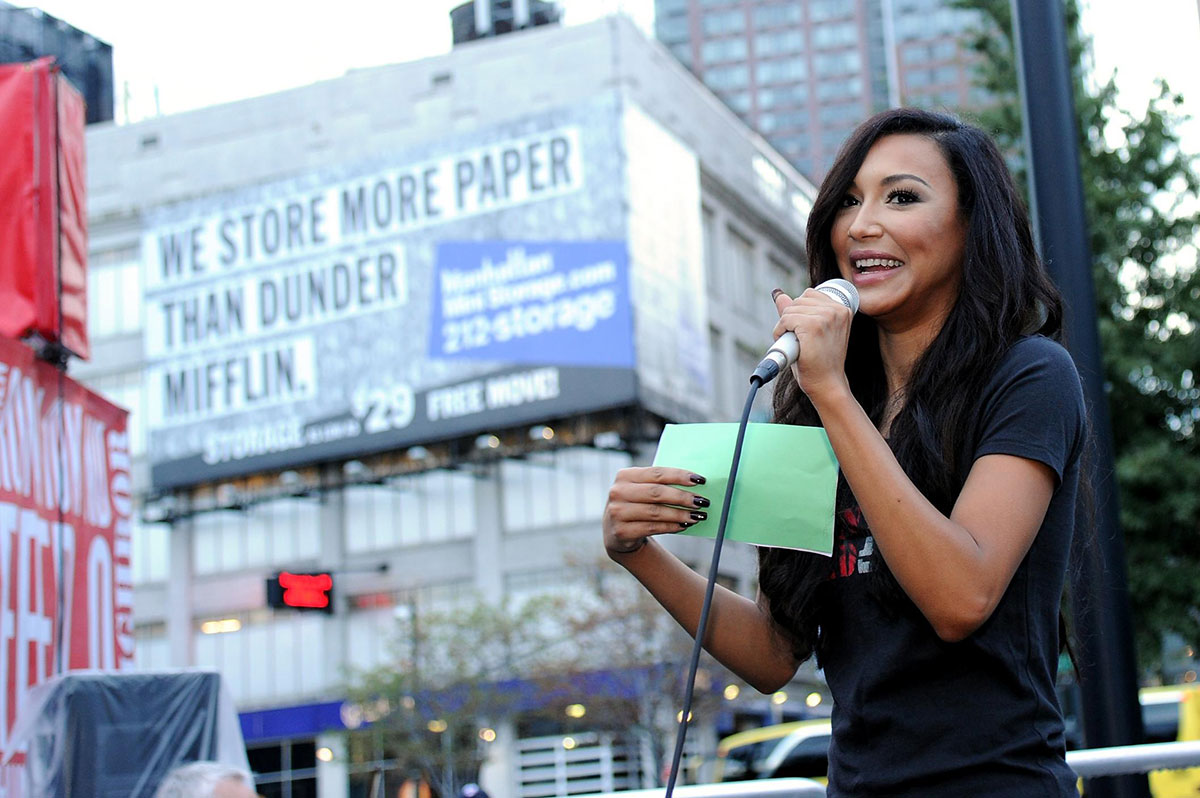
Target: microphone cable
[{"x": 756, "y": 382}]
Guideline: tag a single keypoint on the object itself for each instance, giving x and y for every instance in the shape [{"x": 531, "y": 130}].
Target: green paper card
[{"x": 786, "y": 481}]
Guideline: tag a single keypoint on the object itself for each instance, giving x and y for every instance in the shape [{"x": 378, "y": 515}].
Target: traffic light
[{"x": 308, "y": 591}]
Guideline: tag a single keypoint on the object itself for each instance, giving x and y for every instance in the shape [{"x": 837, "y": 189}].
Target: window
[
  {"x": 944, "y": 50},
  {"x": 373, "y": 634},
  {"x": 832, "y": 139},
  {"x": 563, "y": 486},
  {"x": 723, "y": 50},
  {"x": 410, "y": 510},
  {"x": 843, "y": 115},
  {"x": 929, "y": 23},
  {"x": 775, "y": 15},
  {"x": 747, "y": 360},
  {"x": 378, "y": 623},
  {"x": 739, "y": 257},
  {"x": 151, "y": 560},
  {"x": 821, "y": 10},
  {"x": 803, "y": 165},
  {"x": 720, "y": 387},
  {"x": 918, "y": 78},
  {"x": 594, "y": 588},
  {"x": 716, "y": 23},
  {"x": 781, "y": 96},
  {"x": 785, "y": 71},
  {"x": 151, "y": 649},
  {"x": 114, "y": 293},
  {"x": 789, "y": 120},
  {"x": 915, "y": 54},
  {"x": 792, "y": 145},
  {"x": 729, "y": 77},
  {"x": 271, "y": 656},
  {"x": 671, "y": 30},
  {"x": 782, "y": 275},
  {"x": 908, "y": 27},
  {"x": 839, "y": 88},
  {"x": 272, "y": 533},
  {"x": 945, "y": 99},
  {"x": 846, "y": 61},
  {"x": 840, "y": 34},
  {"x": 126, "y": 390},
  {"x": 784, "y": 42},
  {"x": 288, "y": 768},
  {"x": 946, "y": 74},
  {"x": 712, "y": 277}
]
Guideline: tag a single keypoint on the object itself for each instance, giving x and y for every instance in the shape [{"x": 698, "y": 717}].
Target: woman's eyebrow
[{"x": 887, "y": 181}]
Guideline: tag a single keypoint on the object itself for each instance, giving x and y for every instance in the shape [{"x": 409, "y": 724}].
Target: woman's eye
[
  {"x": 848, "y": 201},
  {"x": 902, "y": 196}
]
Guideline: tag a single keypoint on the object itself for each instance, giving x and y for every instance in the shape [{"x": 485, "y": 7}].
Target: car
[{"x": 799, "y": 748}]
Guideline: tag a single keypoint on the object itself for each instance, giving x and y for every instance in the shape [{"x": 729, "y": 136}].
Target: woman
[{"x": 958, "y": 423}]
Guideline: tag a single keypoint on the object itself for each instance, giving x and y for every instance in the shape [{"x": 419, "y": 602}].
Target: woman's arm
[
  {"x": 646, "y": 501},
  {"x": 956, "y": 568}
]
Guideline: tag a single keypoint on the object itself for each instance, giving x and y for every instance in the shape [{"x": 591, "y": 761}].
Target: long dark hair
[{"x": 1004, "y": 293}]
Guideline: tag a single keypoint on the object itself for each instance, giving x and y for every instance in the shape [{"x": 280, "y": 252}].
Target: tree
[
  {"x": 1141, "y": 193},
  {"x": 454, "y": 671},
  {"x": 451, "y": 671},
  {"x": 622, "y": 625}
]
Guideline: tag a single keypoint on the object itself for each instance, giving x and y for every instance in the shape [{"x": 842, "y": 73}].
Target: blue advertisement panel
[{"x": 560, "y": 302}]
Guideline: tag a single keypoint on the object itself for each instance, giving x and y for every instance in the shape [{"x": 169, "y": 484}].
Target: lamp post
[{"x": 1111, "y": 715}]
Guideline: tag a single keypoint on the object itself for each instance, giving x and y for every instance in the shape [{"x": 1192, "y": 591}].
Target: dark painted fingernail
[
  {"x": 684, "y": 524},
  {"x": 700, "y": 501},
  {"x": 775, "y": 294},
  {"x": 699, "y": 516},
  {"x": 699, "y": 480}
]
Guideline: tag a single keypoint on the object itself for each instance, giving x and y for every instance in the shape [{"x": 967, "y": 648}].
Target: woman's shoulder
[
  {"x": 1041, "y": 365},
  {"x": 1037, "y": 354},
  {"x": 1039, "y": 349}
]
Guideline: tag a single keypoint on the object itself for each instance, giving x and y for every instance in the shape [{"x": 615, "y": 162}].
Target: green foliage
[
  {"x": 1142, "y": 193},
  {"x": 455, "y": 672},
  {"x": 425, "y": 709}
]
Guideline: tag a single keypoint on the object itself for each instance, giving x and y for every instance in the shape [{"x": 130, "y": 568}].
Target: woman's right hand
[{"x": 647, "y": 501}]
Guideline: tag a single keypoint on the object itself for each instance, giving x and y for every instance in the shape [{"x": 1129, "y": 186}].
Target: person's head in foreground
[{"x": 207, "y": 780}]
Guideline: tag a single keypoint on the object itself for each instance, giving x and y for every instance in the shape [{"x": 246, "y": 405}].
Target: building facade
[
  {"x": 28, "y": 33},
  {"x": 403, "y": 328},
  {"x": 805, "y": 73}
]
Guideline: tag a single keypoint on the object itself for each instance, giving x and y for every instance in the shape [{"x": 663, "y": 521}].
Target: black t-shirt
[{"x": 917, "y": 716}]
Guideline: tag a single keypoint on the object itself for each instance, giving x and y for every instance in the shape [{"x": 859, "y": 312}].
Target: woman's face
[{"x": 898, "y": 235}]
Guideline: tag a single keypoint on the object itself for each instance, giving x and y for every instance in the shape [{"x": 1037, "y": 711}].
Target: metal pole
[{"x": 1111, "y": 714}]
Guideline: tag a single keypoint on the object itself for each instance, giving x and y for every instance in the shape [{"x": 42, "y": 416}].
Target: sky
[{"x": 174, "y": 56}]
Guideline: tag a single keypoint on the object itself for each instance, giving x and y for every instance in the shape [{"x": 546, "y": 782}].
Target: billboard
[
  {"x": 471, "y": 283},
  {"x": 666, "y": 246},
  {"x": 65, "y": 508}
]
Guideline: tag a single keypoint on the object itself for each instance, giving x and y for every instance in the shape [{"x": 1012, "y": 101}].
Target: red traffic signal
[{"x": 310, "y": 591}]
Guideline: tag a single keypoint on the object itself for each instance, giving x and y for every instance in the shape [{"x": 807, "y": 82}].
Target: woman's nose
[{"x": 864, "y": 225}]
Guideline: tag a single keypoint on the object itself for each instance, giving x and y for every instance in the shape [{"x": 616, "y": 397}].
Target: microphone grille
[{"x": 841, "y": 290}]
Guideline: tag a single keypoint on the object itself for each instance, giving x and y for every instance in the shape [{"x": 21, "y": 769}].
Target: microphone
[{"x": 786, "y": 348}]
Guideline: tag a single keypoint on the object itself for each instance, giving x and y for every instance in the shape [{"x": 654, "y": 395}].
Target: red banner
[
  {"x": 43, "y": 207},
  {"x": 66, "y": 592}
]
